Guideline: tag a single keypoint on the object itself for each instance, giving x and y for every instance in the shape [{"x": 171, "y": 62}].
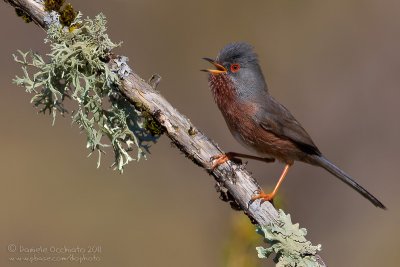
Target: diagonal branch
[{"x": 235, "y": 184}]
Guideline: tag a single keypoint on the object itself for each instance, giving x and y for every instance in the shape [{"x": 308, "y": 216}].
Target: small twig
[{"x": 154, "y": 81}]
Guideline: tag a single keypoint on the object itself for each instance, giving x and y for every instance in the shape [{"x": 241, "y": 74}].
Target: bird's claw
[
  {"x": 219, "y": 159},
  {"x": 222, "y": 158},
  {"x": 258, "y": 194},
  {"x": 215, "y": 157}
]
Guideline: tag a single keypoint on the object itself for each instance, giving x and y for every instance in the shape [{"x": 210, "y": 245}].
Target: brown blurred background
[{"x": 334, "y": 64}]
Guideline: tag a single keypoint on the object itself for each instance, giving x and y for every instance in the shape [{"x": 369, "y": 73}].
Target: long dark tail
[{"x": 330, "y": 167}]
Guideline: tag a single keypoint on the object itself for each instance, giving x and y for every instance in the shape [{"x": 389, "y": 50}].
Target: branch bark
[{"x": 235, "y": 184}]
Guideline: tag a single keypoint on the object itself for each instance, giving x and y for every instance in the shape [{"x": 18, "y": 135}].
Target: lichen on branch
[
  {"x": 77, "y": 69},
  {"x": 288, "y": 243}
]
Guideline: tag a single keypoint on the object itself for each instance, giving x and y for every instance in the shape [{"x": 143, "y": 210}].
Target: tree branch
[{"x": 234, "y": 183}]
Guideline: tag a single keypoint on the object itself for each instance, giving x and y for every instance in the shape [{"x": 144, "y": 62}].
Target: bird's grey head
[
  {"x": 241, "y": 65},
  {"x": 241, "y": 53}
]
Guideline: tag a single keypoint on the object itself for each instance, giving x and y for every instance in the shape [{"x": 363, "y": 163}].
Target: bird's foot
[
  {"x": 258, "y": 194},
  {"x": 222, "y": 158},
  {"x": 218, "y": 160}
]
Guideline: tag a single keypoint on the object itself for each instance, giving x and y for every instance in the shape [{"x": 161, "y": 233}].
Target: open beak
[{"x": 220, "y": 69}]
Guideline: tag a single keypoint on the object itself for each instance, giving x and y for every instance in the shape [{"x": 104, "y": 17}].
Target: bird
[{"x": 260, "y": 123}]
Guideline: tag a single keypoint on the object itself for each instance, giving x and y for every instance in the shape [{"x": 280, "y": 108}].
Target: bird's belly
[
  {"x": 243, "y": 128},
  {"x": 265, "y": 144},
  {"x": 249, "y": 144}
]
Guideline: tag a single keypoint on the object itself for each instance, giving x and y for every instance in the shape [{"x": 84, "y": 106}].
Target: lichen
[
  {"x": 152, "y": 126},
  {"x": 76, "y": 70},
  {"x": 67, "y": 15},
  {"x": 51, "y": 17},
  {"x": 287, "y": 241},
  {"x": 123, "y": 70},
  {"x": 50, "y": 5},
  {"x": 149, "y": 122}
]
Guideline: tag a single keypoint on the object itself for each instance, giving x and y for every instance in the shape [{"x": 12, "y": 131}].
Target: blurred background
[{"x": 334, "y": 64}]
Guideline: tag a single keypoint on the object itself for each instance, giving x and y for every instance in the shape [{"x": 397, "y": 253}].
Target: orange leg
[
  {"x": 270, "y": 196},
  {"x": 222, "y": 158}
]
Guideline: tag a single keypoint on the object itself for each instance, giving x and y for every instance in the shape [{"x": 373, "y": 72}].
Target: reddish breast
[{"x": 239, "y": 116}]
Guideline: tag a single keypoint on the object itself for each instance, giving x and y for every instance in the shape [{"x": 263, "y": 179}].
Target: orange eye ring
[{"x": 235, "y": 67}]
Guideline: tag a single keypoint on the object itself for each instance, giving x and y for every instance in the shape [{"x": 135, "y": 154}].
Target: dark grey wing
[{"x": 278, "y": 120}]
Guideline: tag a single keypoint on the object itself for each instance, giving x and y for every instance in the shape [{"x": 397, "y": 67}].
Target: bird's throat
[{"x": 223, "y": 90}]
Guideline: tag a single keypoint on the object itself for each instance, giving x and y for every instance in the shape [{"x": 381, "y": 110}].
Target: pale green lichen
[
  {"x": 287, "y": 241},
  {"x": 123, "y": 68},
  {"x": 51, "y": 18},
  {"x": 77, "y": 70}
]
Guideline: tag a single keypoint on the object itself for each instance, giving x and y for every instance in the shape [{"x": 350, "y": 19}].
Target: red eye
[{"x": 235, "y": 67}]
